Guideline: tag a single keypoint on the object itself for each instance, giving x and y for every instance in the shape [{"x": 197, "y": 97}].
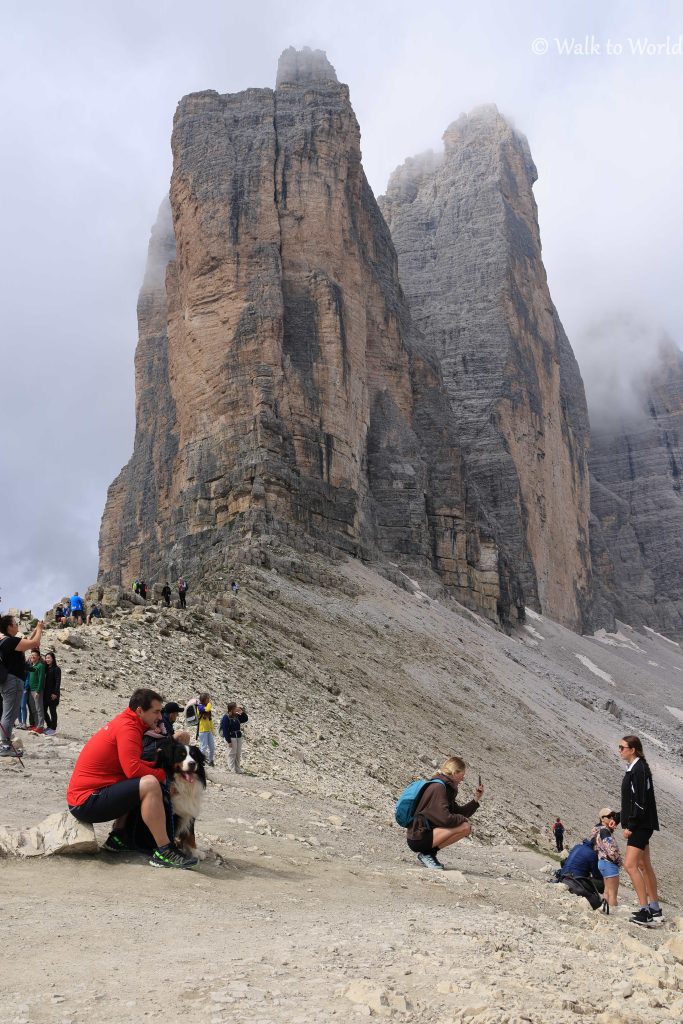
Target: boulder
[
  {"x": 70, "y": 637},
  {"x": 58, "y": 833}
]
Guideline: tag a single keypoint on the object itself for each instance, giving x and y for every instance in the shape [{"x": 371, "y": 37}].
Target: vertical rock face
[
  {"x": 465, "y": 228},
  {"x": 282, "y": 392},
  {"x": 637, "y": 504}
]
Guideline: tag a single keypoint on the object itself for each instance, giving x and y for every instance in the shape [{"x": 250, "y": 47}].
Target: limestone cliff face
[
  {"x": 637, "y": 471},
  {"x": 282, "y": 392},
  {"x": 465, "y": 228}
]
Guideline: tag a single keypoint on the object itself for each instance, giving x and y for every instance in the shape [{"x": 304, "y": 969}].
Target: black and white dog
[{"x": 184, "y": 767}]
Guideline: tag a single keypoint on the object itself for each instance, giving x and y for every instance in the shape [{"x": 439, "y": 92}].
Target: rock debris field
[{"x": 308, "y": 905}]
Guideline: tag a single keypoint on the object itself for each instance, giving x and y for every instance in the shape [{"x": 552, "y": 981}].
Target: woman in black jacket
[
  {"x": 51, "y": 692},
  {"x": 639, "y": 820}
]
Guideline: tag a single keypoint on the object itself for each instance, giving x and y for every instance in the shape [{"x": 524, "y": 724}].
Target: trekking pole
[{"x": 12, "y": 747}]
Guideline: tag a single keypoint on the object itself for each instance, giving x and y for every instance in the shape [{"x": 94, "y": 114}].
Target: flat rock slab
[{"x": 58, "y": 833}]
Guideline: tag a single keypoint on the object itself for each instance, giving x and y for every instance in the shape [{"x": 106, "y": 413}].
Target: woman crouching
[{"x": 439, "y": 821}]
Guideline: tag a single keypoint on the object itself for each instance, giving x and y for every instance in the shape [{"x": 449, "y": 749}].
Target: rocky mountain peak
[
  {"x": 465, "y": 228},
  {"x": 283, "y": 395},
  {"x": 304, "y": 67}
]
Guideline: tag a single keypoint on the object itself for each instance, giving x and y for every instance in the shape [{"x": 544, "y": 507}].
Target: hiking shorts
[
  {"x": 640, "y": 838},
  {"x": 423, "y": 845},
  {"x": 109, "y": 803},
  {"x": 608, "y": 869}
]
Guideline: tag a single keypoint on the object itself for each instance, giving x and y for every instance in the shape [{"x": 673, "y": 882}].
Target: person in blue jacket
[
  {"x": 77, "y": 609},
  {"x": 582, "y": 862}
]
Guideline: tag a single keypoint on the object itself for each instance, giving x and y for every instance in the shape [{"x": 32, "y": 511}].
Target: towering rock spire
[
  {"x": 293, "y": 402},
  {"x": 464, "y": 224}
]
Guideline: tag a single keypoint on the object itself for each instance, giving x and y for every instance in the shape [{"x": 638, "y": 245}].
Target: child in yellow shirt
[{"x": 207, "y": 742}]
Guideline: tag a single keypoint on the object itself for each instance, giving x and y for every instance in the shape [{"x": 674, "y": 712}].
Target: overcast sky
[{"x": 89, "y": 90}]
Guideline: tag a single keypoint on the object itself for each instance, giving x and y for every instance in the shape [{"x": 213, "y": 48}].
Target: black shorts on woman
[{"x": 640, "y": 838}]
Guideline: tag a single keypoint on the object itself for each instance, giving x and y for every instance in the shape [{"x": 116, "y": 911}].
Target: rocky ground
[{"x": 309, "y": 905}]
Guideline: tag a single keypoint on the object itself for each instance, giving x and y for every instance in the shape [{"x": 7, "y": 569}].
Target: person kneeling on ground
[
  {"x": 580, "y": 873},
  {"x": 110, "y": 779},
  {"x": 439, "y": 821}
]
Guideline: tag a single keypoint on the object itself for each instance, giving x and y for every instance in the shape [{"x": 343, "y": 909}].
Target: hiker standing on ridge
[
  {"x": 182, "y": 591},
  {"x": 77, "y": 609},
  {"x": 558, "y": 832},
  {"x": 166, "y": 594},
  {"x": 12, "y": 678},
  {"x": 439, "y": 821},
  {"x": 639, "y": 820}
]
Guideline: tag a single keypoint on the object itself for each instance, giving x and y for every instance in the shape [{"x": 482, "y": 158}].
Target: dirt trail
[{"x": 309, "y": 906}]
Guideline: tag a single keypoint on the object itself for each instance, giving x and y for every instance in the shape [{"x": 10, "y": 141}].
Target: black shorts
[
  {"x": 640, "y": 838},
  {"x": 109, "y": 803},
  {"x": 424, "y": 845}
]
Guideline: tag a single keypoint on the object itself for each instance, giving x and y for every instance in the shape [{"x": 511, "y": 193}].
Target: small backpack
[
  {"x": 406, "y": 805},
  {"x": 191, "y": 713}
]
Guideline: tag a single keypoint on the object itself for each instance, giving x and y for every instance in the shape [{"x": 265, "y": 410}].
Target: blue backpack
[{"x": 406, "y": 805}]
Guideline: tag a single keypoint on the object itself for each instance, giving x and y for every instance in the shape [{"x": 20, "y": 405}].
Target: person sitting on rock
[
  {"x": 77, "y": 609},
  {"x": 61, "y": 615},
  {"x": 94, "y": 613},
  {"x": 439, "y": 821},
  {"x": 110, "y": 779}
]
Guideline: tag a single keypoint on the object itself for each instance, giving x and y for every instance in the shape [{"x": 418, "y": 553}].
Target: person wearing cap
[
  {"x": 609, "y": 857},
  {"x": 169, "y": 713}
]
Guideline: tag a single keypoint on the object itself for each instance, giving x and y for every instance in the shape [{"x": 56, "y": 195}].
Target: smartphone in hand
[{"x": 480, "y": 780}]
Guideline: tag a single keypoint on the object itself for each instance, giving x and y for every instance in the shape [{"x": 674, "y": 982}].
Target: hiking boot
[
  {"x": 115, "y": 843},
  {"x": 428, "y": 861},
  {"x": 8, "y": 752},
  {"x": 643, "y": 917},
  {"x": 171, "y": 857}
]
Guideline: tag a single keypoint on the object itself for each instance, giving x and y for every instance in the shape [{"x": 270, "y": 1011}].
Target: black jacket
[
  {"x": 638, "y": 807},
  {"x": 53, "y": 683}
]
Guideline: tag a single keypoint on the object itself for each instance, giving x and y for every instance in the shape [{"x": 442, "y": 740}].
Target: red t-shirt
[{"x": 111, "y": 755}]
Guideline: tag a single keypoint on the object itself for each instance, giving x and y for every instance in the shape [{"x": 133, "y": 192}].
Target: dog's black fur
[{"x": 186, "y": 775}]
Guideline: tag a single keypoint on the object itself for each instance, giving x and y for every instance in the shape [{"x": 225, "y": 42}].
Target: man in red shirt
[{"x": 110, "y": 779}]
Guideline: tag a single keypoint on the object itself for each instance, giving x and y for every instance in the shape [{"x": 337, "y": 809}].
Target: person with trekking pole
[{"x": 12, "y": 672}]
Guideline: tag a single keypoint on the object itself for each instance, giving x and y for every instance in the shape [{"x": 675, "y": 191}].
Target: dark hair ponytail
[{"x": 635, "y": 743}]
